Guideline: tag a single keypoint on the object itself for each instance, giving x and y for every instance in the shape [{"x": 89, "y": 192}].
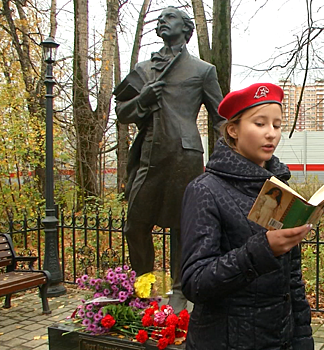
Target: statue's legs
[
  {"x": 140, "y": 246},
  {"x": 177, "y": 300}
]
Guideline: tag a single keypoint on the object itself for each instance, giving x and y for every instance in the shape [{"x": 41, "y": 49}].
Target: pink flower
[
  {"x": 122, "y": 296},
  {"x": 84, "y": 278},
  {"x": 167, "y": 309},
  {"x": 159, "y": 317}
]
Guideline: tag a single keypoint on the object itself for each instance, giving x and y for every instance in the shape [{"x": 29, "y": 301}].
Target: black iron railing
[{"x": 92, "y": 242}]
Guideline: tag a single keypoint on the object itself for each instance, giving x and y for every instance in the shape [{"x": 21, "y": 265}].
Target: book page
[
  {"x": 317, "y": 197},
  {"x": 271, "y": 204},
  {"x": 286, "y": 187}
]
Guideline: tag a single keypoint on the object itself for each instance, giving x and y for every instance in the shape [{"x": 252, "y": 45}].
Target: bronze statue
[{"x": 163, "y": 96}]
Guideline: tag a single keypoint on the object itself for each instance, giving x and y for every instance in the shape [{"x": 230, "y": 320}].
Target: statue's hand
[{"x": 151, "y": 94}]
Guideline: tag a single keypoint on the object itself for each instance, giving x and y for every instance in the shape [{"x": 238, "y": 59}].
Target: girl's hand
[{"x": 281, "y": 241}]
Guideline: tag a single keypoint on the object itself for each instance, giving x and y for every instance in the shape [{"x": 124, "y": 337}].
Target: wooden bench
[{"x": 14, "y": 280}]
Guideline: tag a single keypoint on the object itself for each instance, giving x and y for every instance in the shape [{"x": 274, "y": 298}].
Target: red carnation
[
  {"x": 172, "y": 320},
  {"x": 147, "y": 321},
  {"x": 183, "y": 319},
  {"x": 163, "y": 343},
  {"x": 149, "y": 311},
  {"x": 155, "y": 335},
  {"x": 180, "y": 334},
  {"x": 184, "y": 314},
  {"x": 108, "y": 321},
  {"x": 155, "y": 305},
  {"x": 141, "y": 336},
  {"x": 169, "y": 333}
]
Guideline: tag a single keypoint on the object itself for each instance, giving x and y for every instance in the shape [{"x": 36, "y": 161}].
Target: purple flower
[
  {"x": 133, "y": 273},
  {"x": 100, "y": 313},
  {"x": 106, "y": 292},
  {"x": 78, "y": 280},
  {"x": 89, "y": 307},
  {"x": 97, "y": 317},
  {"x": 123, "y": 276},
  {"x": 118, "y": 269},
  {"x": 89, "y": 314},
  {"x": 84, "y": 278},
  {"x": 125, "y": 284},
  {"x": 92, "y": 327},
  {"x": 81, "y": 313},
  {"x": 115, "y": 288},
  {"x": 122, "y": 296},
  {"x": 98, "y": 295},
  {"x": 126, "y": 267},
  {"x": 132, "y": 279},
  {"x": 86, "y": 322},
  {"x": 111, "y": 275},
  {"x": 92, "y": 282}
]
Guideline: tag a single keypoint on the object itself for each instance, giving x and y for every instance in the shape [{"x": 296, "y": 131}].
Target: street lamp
[{"x": 51, "y": 258}]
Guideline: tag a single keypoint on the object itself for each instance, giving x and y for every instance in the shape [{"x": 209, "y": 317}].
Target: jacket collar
[{"x": 242, "y": 173}]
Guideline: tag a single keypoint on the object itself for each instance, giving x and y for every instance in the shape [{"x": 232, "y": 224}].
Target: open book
[{"x": 279, "y": 206}]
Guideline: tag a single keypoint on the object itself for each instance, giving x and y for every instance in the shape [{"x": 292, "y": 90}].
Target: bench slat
[{"x": 17, "y": 281}]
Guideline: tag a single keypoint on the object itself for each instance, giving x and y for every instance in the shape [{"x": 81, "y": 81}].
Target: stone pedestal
[{"x": 75, "y": 340}]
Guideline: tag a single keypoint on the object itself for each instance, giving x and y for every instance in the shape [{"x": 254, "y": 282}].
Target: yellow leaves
[
  {"x": 38, "y": 337},
  {"x": 61, "y": 306}
]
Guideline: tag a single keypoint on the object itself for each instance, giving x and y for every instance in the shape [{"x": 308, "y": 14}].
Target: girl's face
[{"x": 258, "y": 132}]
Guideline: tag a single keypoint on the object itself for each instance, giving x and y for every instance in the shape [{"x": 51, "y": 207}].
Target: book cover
[
  {"x": 130, "y": 87},
  {"x": 278, "y": 206}
]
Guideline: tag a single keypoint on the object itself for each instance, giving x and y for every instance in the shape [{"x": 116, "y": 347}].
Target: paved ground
[{"x": 23, "y": 327}]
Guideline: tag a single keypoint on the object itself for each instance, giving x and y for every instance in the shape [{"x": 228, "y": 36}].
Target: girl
[{"x": 245, "y": 282}]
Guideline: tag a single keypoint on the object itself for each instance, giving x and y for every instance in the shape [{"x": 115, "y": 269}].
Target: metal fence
[
  {"x": 92, "y": 242},
  {"x": 87, "y": 242}
]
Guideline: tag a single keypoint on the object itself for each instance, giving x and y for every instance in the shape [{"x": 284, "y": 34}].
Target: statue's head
[{"x": 174, "y": 26}]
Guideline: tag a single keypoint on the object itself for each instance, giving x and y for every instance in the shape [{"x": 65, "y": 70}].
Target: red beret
[{"x": 238, "y": 101}]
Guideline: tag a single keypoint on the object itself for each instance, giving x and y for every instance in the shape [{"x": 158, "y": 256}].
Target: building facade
[{"x": 311, "y": 108}]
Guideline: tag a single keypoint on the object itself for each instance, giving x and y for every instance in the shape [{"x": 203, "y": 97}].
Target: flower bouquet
[{"x": 122, "y": 303}]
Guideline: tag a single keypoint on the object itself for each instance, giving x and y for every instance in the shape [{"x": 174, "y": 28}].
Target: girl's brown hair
[{"x": 224, "y": 130}]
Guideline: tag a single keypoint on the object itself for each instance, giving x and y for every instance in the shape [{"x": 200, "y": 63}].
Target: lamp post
[{"x": 51, "y": 258}]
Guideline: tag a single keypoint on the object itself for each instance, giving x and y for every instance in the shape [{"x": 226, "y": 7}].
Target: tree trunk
[
  {"x": 91, "y": 125},
  {"x": 202, "y": 30},
  {"x": 221, "y": 44},
  {"x": 220, "y": 52},
  {"x": 123, "y": 139}
]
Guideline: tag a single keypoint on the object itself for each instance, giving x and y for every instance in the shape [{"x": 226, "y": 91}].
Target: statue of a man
[{"x": 163, "y": 97}]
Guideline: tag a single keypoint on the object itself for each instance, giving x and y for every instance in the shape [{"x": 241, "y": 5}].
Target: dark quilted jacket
[{"x": 245, "y": 298}]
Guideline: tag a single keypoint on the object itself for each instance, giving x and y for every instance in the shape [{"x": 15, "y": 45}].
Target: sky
[{"x": 261, "y": 29}]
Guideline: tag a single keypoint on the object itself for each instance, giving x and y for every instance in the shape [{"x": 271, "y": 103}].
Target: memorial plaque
[
  {"x": 91, "y": 343},
  {"x": 67, "y": 337}
]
